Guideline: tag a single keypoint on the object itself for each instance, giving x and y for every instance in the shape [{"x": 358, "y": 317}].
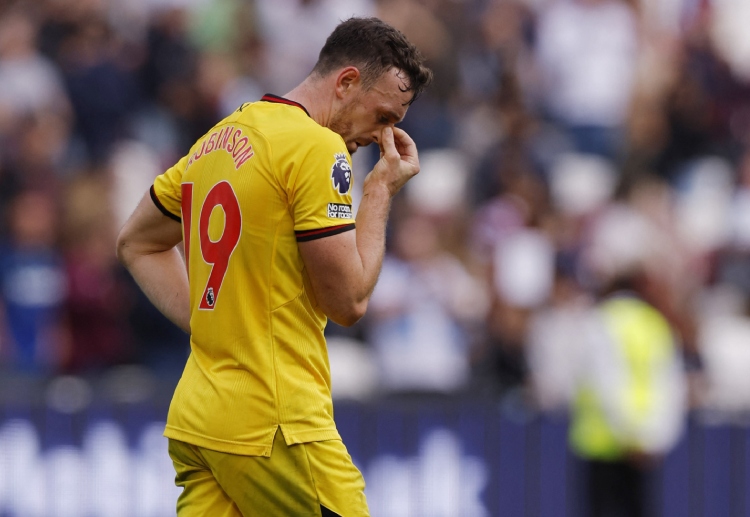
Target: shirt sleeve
[
  {"x": 166, "y": 192},
  {"x": 320, "y": 197}
]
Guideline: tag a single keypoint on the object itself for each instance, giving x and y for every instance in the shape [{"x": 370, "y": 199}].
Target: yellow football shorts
[{"x": 309, "y": 479}]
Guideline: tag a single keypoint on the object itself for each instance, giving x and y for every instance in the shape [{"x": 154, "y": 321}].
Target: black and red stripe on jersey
[{"x": 311, "y": 235}]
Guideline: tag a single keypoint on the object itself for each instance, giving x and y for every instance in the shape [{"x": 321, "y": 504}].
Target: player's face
[{"x": 367, "y": 112}]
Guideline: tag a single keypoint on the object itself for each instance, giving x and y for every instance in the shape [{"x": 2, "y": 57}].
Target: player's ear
[{"x": 347, "y": 80}]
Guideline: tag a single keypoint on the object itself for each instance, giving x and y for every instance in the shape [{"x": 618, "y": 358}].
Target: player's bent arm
[
  {"x": 344, "y": 268},
  {"x": 146, "y": 247}
]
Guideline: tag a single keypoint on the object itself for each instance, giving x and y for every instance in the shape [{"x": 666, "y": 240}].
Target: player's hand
[{"x": 398, "y": 162}]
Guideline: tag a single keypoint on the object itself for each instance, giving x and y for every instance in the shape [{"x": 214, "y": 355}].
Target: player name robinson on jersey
[{"x": 230, "y": 139}]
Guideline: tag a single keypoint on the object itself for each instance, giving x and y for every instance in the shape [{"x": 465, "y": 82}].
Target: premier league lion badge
[{"x": 341, "y": 174}]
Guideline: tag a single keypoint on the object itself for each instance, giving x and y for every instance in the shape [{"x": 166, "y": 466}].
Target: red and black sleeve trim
[
  {"x": 161, "y": 207},
  {"x": 311, "y": 235},
  {"x": 269, "y": 97}
]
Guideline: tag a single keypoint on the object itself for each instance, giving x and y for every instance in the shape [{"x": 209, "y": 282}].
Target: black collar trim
[{"x": 269, "y": 97}]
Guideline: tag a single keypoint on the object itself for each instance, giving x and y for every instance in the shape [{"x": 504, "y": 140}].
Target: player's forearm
[
  {"x": 344, "y": 268},
  {"x": 162, "y": 278},
  {"x": 146, "y": 246},
  {"x": 372, "y": 218}
]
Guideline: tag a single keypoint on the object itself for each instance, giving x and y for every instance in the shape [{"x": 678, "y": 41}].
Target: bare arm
[
  {"x": 146, "y": 246},
  {"x": 344, "y": 268}
]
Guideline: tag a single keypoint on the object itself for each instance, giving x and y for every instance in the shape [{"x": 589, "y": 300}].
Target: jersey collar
[{"x": 269, "y": 97}]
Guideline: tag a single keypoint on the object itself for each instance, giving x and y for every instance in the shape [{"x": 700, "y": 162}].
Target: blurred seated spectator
[
  {"x": 586, "y": 54},
  {"x": 431, "y": 121},
  {"x": 221, "y": 26},
  {"x": 29, "y": 82},
  {"x": 32, "y": 287},
  {"x": 580, "y": 187},
  {"x": 724, "y": 336},
  {"x": 732, "y": 260},
  {"x": 724, "y": 342},
  {"x": 703, "y": 205},
  {"x": 167, "y": 78},
  {"x": 553, "y": 343},
  {"x": 421, "y": 311},
  {"x": 354, "y": 374},
  {"x": 515, "y": 254},
  {"x": 98, "y": 297},
  {"x": 101, "y": 87},
  {"x": 289, "y": 59},
  {"x": 38, "y": 151}
]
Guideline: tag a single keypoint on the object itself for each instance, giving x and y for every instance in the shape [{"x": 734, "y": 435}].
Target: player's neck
[{"x": 310, "y": 94}]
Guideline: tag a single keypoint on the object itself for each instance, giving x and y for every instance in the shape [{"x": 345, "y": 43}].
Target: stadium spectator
[
  {"x": 553, "y": 343},
  {"x": 516, "y": 258},
  {"x": 629, "y": 404},
  {"x": 33, "y": 286},
  {"x": 433, "y": 124},
  {"x": 29, "y": 82},
  {"x": 167, "y": 78},
  {"x": 102, "y": 89},
  {"x": 630, "y": 395},
  {"x": 423, "y": 312},
  {"x": 289, "y": 59},
  {"x": 586, "y": 53},
  {"x": 98, "y": 298}
]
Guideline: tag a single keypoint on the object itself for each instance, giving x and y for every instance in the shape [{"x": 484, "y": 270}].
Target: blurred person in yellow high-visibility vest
[{"x": 629, "y": 401}]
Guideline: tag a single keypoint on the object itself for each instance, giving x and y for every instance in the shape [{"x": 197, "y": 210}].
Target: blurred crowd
[{"x": 566, "y": 146}]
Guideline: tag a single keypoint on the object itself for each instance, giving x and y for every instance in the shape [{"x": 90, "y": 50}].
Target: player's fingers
[
  {"x": 402, "y": 138},
  {"x": 404, "y": 142},
  {"x": 407, "y": 149},
  {"x": 388, "y": 144}
]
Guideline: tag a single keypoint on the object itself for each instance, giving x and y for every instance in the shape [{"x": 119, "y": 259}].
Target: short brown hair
[{"x": 374, "y": 47}]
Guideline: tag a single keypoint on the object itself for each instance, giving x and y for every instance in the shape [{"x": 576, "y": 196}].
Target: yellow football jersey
[{"x": 264, "y": 178}]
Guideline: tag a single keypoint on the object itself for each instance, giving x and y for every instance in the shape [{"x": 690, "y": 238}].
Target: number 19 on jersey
[{"x": 215, "y": 253}]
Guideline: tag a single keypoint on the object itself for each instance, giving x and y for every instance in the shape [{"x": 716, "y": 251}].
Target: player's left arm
[
  {"x": 146, "y": 247},
  {"x": 344, "y": 268}
]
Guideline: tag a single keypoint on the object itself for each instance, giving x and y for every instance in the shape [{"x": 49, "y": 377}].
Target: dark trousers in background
[{"x": 618, "y": 489}]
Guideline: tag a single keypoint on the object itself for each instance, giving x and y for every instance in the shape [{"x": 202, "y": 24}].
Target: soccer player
[{"x": 263, "y": 205}]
